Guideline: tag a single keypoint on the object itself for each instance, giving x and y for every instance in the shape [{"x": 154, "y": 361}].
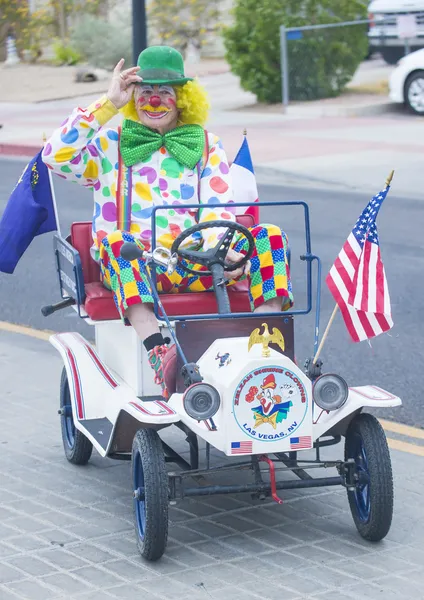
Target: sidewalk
[
  {"x": 67, "y": 532},
  {"x": 41, "y": 83},
  {"x": 351, "y": 142}
]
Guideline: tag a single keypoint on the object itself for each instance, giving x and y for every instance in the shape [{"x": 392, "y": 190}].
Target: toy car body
[{"x": 238, "y": 388}]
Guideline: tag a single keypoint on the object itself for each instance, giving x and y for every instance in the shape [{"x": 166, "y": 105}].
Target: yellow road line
[
  {"x": 35, "y": 333},
  {"x": 394, "y": 427},
  {"x": 405, "y": 447}
]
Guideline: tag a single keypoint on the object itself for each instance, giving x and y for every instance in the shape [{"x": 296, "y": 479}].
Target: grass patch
[{"x": 380, "y": 88}]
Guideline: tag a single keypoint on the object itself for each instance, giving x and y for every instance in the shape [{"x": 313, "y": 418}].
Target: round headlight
[
  {"x": 201, "y": 401},
  {"x": 330, "y": 391}
]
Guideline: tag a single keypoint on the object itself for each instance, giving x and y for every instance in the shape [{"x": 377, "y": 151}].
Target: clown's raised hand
[{"x": 122, "y": 84}]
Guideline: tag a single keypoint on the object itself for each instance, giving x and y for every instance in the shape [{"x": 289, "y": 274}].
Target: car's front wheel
[{"x": 414, "y": 92}]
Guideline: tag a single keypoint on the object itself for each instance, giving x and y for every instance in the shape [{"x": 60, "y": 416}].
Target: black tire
[
  {"x": 414, "y": 100},
  {"x": 392, "y": 55},
  {"x": 371, "y": 503},
  {"x": 151, "y": 510},
  {"x": 77, "y": 447}
]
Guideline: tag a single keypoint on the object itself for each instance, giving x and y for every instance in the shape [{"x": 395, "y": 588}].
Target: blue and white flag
[
  {"x": 244, "y": 181},
  {"x": 29, "y": 212}
]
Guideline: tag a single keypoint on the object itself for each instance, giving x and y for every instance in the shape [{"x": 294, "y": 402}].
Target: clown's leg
[
  {"x": 270, "y": 284},
  {"x": 133, "y": 299},
  {"x": 143, "y": 319},
  {"x": 273, "y": 305}
]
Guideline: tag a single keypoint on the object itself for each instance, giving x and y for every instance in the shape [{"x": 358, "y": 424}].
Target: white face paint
[{"x": 156, "y": 106}]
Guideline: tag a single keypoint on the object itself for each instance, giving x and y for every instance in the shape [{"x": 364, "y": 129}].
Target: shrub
[
  {"x": 65, "y": 54},
  {"x": 320, "y": 64},
  {"x": 103, "y": 43}
]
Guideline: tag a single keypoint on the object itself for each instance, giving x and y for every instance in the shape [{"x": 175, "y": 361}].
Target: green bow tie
[{"x": 138, "y": 143}]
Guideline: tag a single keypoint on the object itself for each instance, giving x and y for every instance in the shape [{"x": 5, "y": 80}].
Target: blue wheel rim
[
  {"x": 139, "y": 505},
  {"x": 362, "y": 490},
  {"x": 68, "y": 422}
]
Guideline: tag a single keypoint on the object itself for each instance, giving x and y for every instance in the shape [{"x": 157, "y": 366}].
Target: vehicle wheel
[
  {"x": 150, "y": 481},
  {"x": 392, "y": 55},
  {"x": 414, "y": 92},
  {"x": 371, "y": 502},
  {"x": 77, "y": 447}
]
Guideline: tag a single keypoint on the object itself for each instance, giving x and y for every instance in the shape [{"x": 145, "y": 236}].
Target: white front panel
[
  {"x": 266, "y": 402},
  {"x": 122, "y": 350}
]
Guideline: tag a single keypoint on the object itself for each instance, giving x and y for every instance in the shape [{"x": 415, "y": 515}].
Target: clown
[
  {"x": 272, "y": 409},
  {"x": 160, "y": 155}
]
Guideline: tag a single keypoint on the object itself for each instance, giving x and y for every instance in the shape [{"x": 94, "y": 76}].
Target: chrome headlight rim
[
  {"x": 328, "y": 378},
  {"x": 204, "y": 407}
]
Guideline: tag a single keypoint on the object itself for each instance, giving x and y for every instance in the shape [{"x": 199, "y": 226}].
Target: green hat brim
[
  {"x": 166, "y": 81},
  {"x": 162, "y": 77}
]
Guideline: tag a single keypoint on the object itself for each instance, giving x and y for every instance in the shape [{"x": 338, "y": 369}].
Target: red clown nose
[{"x": 155, "y": 101}]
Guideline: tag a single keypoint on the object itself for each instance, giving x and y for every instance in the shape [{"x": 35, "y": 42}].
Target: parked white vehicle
[
  {"x": 406, "y": 83},
  {"x": 398, "y": 27}
]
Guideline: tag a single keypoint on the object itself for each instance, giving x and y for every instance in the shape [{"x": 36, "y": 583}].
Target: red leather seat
[{"x": 99, "y": 303}]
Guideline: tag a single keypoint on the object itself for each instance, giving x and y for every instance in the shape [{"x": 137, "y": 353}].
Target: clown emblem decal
[{"x": 270, "y": 403}]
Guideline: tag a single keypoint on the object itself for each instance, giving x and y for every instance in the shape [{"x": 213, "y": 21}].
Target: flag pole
[
  {"x": 333, "y": 314},
  {"x": 324, "y": 337},
  {"x": 52, "y": 193},
  {"x": 390, "y": 177}
]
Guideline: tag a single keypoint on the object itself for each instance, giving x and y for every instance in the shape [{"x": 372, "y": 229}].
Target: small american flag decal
[
  {"x": 304, "y": 441},
  {"x": 241, "y": 447}
]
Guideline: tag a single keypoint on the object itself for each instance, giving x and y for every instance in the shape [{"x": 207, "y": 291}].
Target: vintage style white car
[{"x": 237, "y": 386}]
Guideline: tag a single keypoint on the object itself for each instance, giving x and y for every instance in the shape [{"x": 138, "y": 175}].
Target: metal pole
[
  {"x": 56, "y": 212},
  {"x": 139, "y": 28},
  {"x": 284, "y": 66}
]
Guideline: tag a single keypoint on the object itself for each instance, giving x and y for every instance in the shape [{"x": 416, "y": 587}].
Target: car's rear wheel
[
  {"x": 77, "y": 447},
  {"x": 414, "y": 92}
]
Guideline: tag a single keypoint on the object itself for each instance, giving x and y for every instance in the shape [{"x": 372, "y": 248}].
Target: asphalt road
[{"x": 393, "y": 361}]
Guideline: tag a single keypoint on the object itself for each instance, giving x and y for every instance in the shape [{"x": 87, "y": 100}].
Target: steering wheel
[{"x": 216, "y": 255}]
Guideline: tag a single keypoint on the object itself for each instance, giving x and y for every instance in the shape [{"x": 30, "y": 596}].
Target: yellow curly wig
[{"x": 192, "y": 102}]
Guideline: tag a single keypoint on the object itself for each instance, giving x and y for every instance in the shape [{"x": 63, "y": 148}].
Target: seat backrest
[
  {"x": 246, "y": 220},
  {"x": 82, "y": 240}
]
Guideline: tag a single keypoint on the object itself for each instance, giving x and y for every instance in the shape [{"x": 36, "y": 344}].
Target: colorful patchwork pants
[{"x": 269, "y": 274}]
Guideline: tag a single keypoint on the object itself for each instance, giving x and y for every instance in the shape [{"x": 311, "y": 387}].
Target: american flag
[
  {"x": 304, "y": 441},
  {"x": 241, "y": 447},
  {"x": 357, "y": 279}
]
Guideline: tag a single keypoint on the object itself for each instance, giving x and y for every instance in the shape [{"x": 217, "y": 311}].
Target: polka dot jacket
[{"x": 83, "y": 150}]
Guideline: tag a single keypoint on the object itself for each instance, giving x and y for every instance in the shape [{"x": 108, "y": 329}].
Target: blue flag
[{"x": 29, "y": 212}]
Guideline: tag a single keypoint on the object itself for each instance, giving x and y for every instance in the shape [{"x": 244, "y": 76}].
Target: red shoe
[{"x": 163, "y": 361}]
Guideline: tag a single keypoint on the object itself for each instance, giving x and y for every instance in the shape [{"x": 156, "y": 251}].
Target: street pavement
[{"x": 67, "y": 532}]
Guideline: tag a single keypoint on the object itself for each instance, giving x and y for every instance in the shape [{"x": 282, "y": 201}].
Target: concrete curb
[{"x": 361, "y": 110}]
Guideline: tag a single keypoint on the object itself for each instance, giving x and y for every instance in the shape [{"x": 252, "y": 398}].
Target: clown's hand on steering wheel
[{"x": 235, "y": 257}]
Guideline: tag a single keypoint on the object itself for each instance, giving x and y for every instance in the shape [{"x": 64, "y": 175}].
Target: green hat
[{"x": 160, "y": 65}]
